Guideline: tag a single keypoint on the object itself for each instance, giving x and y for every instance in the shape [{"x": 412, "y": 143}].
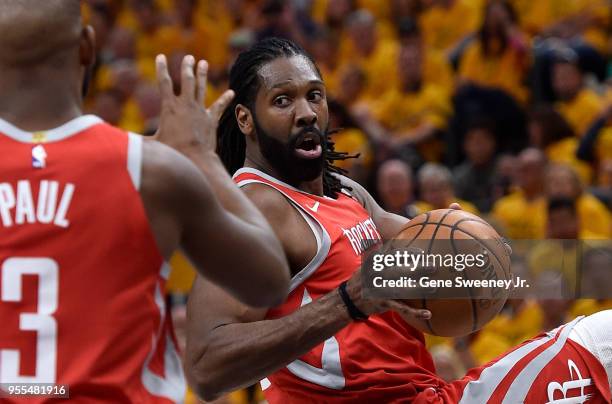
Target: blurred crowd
[{"x": 502, "y": 105}]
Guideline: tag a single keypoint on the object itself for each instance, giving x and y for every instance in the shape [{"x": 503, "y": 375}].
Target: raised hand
[{"x": 186, "y": 124}]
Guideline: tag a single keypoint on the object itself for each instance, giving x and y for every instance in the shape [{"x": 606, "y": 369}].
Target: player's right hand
[
  {"x": 374, "y": 306},
  {"x": 185, "y": 123}
]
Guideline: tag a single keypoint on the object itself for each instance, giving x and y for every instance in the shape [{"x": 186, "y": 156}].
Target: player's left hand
[{"x": 185, "y": 123}]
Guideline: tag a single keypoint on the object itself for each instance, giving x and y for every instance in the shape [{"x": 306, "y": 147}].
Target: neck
[
  {"x": 314, "y": 187},
  {"x": 36, "y": 100}
]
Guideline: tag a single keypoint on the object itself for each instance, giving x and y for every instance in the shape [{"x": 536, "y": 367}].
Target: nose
[{"x": 304, "y": 114}]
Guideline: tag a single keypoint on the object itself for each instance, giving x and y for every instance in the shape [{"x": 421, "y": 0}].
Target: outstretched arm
[
  {"x": 232, "y": 245},
  {"x": 239, "y": 253}
]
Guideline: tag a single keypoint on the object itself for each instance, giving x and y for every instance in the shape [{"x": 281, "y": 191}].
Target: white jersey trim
[
  {"x": 322, "y": 238},
  {"x": 250, "y": 170},
  {"x": 594, "y": 334},
  {"x": 172, "y": 385},
  {"x": 481, "y": 390},
  {"x": 520, "y": 386},
  {"x": 64, "y": 131},
  {"x": 134, "y": 158}
]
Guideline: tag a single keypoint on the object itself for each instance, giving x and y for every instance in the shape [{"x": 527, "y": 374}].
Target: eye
[
  {"x": 281, "y": 101},
  {"x": 315, "y": 96}
]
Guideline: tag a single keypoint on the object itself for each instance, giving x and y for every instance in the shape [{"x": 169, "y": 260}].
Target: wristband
[{"x": 353, "y": 310}]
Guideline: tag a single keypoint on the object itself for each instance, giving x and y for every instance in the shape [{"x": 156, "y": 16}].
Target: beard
[{"x": 283, "y": 158}]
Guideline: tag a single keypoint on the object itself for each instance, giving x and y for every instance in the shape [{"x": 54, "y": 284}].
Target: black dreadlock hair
[{"x": 244, "y": 80}]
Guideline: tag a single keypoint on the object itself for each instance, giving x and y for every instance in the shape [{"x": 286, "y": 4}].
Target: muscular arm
[
  {"x": 236, "y": 249},
  {"x": 230, "y": 346}
]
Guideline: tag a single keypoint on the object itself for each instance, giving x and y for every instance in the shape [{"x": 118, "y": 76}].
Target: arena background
[{"x": 503, "y": 106}]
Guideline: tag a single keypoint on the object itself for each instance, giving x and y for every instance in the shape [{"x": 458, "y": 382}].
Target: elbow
[{"x": 204, "y": 383}]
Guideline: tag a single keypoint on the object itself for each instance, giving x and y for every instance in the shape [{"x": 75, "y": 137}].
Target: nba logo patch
[{"x": 39, "y": 157}]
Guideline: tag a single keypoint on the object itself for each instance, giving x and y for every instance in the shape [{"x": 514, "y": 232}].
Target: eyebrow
[{"x": 283, "y": 83}]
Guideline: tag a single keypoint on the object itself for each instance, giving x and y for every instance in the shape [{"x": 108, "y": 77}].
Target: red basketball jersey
[
  {"x": 548, "y": 369},
  {"x": 81, "y": 277},
  {"x": 379, "y": 360}
]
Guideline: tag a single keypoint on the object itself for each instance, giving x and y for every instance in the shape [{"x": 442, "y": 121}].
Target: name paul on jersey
[
  {"x": 18, "y": 205},
  {"x": 362, "y": 236}
]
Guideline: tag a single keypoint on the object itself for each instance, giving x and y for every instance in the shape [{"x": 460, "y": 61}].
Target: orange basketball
[{"x": 451, "y": 231}]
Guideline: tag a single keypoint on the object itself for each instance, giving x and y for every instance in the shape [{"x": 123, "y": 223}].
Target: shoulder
[
  {"x": 356, "y": 191},
  {"x": 271, "y": 202}
]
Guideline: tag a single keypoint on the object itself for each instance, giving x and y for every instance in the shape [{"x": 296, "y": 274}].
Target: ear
[
  {"x": 87, "y": 46},
  {"x": 245, "y": 120}
]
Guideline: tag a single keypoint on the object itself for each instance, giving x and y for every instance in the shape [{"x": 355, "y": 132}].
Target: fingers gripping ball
[{"x": 455, "y": 232}]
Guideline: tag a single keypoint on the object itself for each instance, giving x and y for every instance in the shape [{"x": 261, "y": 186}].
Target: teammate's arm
[
  {"x": 240, "y": 253},
  {"x": 232, "y": 244}
]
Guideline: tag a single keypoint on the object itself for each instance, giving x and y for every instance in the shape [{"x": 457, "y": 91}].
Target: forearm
[
  {"x": 231, "y": 197},
  {"x": 238, "y": 355}
]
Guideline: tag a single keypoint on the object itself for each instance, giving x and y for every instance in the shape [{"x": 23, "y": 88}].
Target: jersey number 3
[{"x": 13, "y": 270}]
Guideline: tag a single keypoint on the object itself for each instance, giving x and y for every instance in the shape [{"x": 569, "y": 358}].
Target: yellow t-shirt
[
  {"x": 505, "y": 332},
  {"x": 443, "y": 28},
  {"x": 564, "y": 152},
  {"x": 603, "y": 146},
  {"x": 378, "y": 67},
  {"x": 582, "y": 111},
  {"x": 595, "y": 218},
  {"x": 400, "y": 111},
  {"x": 352, "y": 141},
  {"x": 520, "y": 218},
  {"x": 505, "y": 72}
]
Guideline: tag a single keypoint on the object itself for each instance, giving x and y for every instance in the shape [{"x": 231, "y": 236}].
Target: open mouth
[{"x": 309, "y": 146}]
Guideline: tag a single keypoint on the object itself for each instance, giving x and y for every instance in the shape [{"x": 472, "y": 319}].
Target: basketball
[{"x": 448, "y": 231}]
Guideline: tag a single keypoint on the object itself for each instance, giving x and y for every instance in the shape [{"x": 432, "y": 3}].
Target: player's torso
[
  {"x": 81, "y": 278},
  {"x": 365, "y": 358}
]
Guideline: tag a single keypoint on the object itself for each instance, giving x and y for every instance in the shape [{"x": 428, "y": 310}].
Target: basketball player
[
  {"x": 89, "y": 214},
  {"x": 325, "y": 343},
  {"x": 325, "y": 340}
]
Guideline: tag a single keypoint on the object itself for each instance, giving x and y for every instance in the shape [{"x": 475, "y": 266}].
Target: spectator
[
  {"x": 414, "y": 112},
  {"x": 497, "y": 57},
  {"x": 370, "y": 51},
  {"x": 562, "y": 181},
  {"x": 578, "y": 105},
  {"x": 436, "y": 68},
  {"x": 436, "y": 189},
  {"x": 395, "y": 188},
  {"x": 551, "y": 133},
  {"x": 447, "y": 22},
  {"x": 474, "y": 178},
  {"x": 522, "y": 213}
]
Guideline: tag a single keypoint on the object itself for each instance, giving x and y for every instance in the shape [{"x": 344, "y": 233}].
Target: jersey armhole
[{"x": 321, "y": 236}]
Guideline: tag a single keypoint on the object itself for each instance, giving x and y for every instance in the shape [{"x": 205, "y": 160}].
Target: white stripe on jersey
[{"x": 134, "y": 158}]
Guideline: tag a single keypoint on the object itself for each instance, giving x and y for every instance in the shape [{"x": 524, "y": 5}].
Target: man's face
[
  {"x": 291, "y": 119},
  {"x": 479, "y": 146},
  {"x": 567, "y": 81},
  {"x": 561, "y": 183},
  {"x": 436, "y": 192},
  {"x": 563, "y": 224}
]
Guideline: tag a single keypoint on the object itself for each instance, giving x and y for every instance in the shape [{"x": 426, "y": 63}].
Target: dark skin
[
  {"x": 41, "y": 89},
  {"x": 230, "y": 345}
]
